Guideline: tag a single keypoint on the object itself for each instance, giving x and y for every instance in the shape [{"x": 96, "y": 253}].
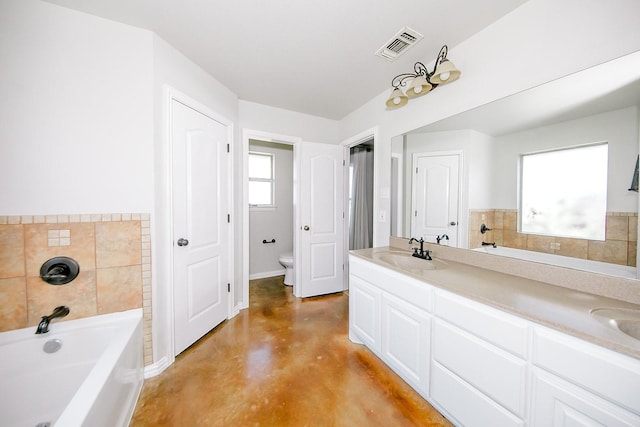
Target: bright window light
[
  {"x": 564, "y": 192},
  {"x": 261, "y": 179}
]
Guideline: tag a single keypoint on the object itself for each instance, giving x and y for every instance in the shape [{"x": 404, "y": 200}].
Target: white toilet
[{"x": 286, "y": 260}]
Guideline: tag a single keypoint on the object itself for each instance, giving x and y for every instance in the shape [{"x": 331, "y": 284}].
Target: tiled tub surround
[
  {"x": 114, "y": 254},
  {"x": 620, "y": 246}
]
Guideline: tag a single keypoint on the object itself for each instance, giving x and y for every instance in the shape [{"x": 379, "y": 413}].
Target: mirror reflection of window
[
  {"x": 564, "y": 192},
  {"x": 261, "y": 179}
]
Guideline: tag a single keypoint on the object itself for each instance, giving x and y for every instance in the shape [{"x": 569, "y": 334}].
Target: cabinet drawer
[
  {"x": 499, "y": 328},
  {"x": 494, "y": 372},
  {"x": 558, "y": 403},
  {"x": 603, "y": 372},
  {"x": 467, "y": 405},
  {"x": 407, "y": 288}
]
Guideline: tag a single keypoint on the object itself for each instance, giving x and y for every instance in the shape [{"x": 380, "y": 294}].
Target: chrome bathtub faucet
[{"x": 43, "y": 326}]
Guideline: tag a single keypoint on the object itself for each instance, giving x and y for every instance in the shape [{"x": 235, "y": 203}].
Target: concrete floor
[{"x": 285, "y": 361}]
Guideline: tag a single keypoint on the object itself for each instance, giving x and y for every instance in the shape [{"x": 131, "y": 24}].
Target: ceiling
[{"x": 312, "y": 57}]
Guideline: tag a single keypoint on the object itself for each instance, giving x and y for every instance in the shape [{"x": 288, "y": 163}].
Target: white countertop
[{"x": 560, "y": 308}]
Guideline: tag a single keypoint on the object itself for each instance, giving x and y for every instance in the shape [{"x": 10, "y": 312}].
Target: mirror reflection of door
[
  {"x": 436, "y": 187},
  {"x": 361, "y": 196}
]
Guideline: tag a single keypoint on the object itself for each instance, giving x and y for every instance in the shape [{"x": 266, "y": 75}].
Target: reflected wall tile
[
  {"x": 617, "y": 227},
  {"x": 575, "y": 248},
  {"x": 13, "y": 307},
  {"x": 540, "y": 243},
  {"x": 119, "y": 288},
  {"x": 613, "y": 251},
  {"x": 498, "y": 220},
  {"x": 513, "y": 239},
  {"x": 118, "y": 244},
  {"x": 79, "y": 296},
  {"x": 510, "y": 220},
  {"x": 633, "y": 229},
  {"x": 11, "y": 251},
  {"x": 81, "y": 245}
]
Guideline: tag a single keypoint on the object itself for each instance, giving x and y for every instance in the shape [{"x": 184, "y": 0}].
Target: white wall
[
  {"x": 272, "y": 223},
  {"x": 540, "y": 41},
  {"x": 284, "y": 122},
  {"x": 619, "y": 128},
  {"x": 76, "y": 117}
]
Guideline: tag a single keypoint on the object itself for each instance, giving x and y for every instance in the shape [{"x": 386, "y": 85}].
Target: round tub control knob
[
  {"x": 306, "y": 228},
  {"x": 182, "y": 242}
]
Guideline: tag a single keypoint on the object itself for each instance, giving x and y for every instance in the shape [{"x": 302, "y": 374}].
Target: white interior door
[
  {"x": 435, "y": 200},
  {"x": 319, "y": 256},
  {"x": 201, "y": 243}
]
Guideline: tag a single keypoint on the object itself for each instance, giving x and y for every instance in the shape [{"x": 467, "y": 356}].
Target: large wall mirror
[{"x": 461, "y": 180}]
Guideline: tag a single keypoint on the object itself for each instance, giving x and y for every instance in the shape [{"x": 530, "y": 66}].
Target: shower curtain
[{"x": 361, "y": 218}]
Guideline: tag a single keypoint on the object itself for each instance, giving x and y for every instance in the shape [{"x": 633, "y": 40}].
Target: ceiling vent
[{"x": 399, "y": 44}]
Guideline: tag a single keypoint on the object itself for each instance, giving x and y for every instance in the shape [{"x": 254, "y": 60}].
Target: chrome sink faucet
[
  {"x": 43, "y": 326},
  {"x": 421, "y": 253}
]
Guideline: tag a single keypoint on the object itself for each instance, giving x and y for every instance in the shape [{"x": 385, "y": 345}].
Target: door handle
[
  {"x": 182, "y": 242},
  {"x": 305, "y": 228},
  {"x": 453, "y": 223}
]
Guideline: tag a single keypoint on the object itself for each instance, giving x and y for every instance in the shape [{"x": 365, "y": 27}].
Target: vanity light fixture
[{"x": 422, "y": 81}]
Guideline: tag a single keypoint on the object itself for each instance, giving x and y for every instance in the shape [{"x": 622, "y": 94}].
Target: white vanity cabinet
[
  {"x": 389, "y": 313},
  {"x": 481, "y": 366},
  {"x": 478, "y": 362},
  {"x": 576, "y": 383}
]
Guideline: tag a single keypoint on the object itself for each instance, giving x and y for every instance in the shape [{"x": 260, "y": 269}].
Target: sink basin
[
  {"x": 405, "y": 262},
  {"x": 626, "y": 320}
]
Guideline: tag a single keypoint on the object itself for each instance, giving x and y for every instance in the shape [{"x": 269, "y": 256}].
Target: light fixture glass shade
[
  {"x": 445, "y": 72},
  {"x": 397, "y": 99},
  {"x": 419, "y": 87}
]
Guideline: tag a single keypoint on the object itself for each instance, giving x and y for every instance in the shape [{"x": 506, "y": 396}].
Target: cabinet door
[
  {"x": 405, "y": 341},
  {"x": 364, "y": 313},
  {"x": 557, "y": 403}
]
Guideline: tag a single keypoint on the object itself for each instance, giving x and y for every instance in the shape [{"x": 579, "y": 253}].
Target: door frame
[
  {"x": 366, "y": 135},
  {"x": 461, "y": 231},
  {"x": 163, "y": 289},
  {"x": 294, "y": 141}
]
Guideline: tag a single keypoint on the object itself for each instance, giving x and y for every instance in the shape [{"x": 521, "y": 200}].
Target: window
[
  {"x": 564, "y": 192},
  {"x": 261, "y": 179}
]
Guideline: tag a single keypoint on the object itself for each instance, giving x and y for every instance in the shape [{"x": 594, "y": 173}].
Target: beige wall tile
[
  {"x": 13, "y": 306},
  {"x": 510, "y": 221},
  {"x": 498, "y": 220},
  {"x": 119, "y": 288},
  {"x": 513, "y": 239},
  {"x": 540, "y": 243},
  {"x": 576, "y": 248},
  {"x": 79, "y": 296},
  {"x": 118, "y": 244},
  {"x": 37, "y": 251},
  {"x": 613, "y": 251},
  {"x": 633, "y": 228},
  {"x": 632, "y": 253},
  {"x": 498, "y": 237},
  {"x": 11, "y": 251},
  {"x": 617, "y": 227}
]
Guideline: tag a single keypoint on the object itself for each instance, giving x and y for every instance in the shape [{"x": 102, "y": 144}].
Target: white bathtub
[
  {"x": 563, "y": 261},
  {"x": 94, "y": 379}
]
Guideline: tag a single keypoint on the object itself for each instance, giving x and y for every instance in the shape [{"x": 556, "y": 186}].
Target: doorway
[
  {"x": 271, "y": 215},
  {"x": 435, "y": 201},
  {"x": 360, "y": 205}
]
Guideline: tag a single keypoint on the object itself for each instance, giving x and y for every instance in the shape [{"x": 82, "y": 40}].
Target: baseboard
[
  {"x": 156, "y": 368},
  {"x": 267, "y": 274}
]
